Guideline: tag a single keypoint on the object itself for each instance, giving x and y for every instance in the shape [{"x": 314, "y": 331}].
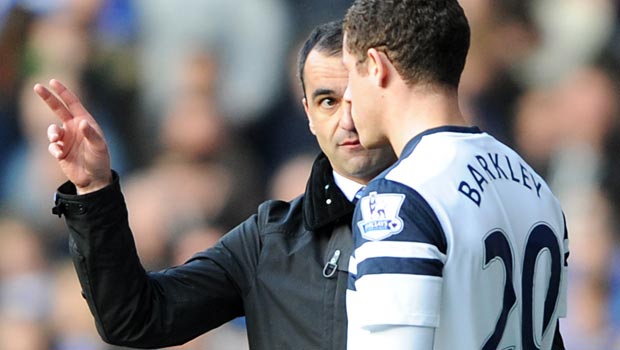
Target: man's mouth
[{"x": 350, "y": 143}]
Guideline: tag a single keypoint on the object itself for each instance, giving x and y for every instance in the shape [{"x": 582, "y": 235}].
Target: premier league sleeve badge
[{"x": 380, "y": 215}]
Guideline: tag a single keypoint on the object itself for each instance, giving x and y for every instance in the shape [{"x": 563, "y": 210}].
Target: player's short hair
[
  {"x": 325, "y": 38},
  {"x": 426, "y": 40}
]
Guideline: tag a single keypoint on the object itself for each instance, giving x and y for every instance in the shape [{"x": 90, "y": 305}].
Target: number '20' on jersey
[{"x": 460, "y": 234}]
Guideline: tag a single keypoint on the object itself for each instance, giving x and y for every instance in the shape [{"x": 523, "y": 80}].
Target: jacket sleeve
[{"x": 157, "y": 309}]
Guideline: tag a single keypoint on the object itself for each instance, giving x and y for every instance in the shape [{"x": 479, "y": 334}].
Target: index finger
[{"x": 53, "y": 102}]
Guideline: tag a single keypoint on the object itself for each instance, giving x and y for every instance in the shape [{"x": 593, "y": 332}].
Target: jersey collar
[{"x": 411, "y": 145}]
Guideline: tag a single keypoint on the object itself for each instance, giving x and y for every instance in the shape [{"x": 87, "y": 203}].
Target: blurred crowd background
[{"x": 200, "y": 103}]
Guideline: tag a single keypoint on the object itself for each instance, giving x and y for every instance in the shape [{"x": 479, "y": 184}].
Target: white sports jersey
[{"x": 461, "y": 235}]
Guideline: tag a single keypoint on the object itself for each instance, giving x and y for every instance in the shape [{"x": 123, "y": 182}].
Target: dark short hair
[
  {"x": 426, "y": 40},
  {"x": 325, "y": 38}
]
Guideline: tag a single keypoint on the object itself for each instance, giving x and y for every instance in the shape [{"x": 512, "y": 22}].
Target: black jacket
[{"x": 269, "y": 269}]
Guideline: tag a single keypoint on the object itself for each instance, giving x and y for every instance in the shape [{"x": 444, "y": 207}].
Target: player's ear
[
  {"x": 378, "y": 66},
  {"x": 304, "y": 102}
]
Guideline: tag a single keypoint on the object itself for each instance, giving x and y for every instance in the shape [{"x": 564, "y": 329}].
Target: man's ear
[
  {"x": 378, "y": 66},
  {"x": 304, "y": 102}
]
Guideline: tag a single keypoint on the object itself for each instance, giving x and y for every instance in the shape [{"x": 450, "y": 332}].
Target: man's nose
[{"x": 346, "y": 120}]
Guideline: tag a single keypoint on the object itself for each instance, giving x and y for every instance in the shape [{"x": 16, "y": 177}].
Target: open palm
[{"x": 78, "y": 144}]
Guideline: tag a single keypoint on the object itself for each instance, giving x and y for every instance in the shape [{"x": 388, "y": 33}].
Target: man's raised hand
[{"x": 78, "y": 143}]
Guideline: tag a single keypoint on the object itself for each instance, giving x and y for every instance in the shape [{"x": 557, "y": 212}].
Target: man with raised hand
[{"x": 284, "y": 268}]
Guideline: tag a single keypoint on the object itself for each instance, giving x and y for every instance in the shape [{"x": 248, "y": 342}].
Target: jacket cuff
[{"x": 68, "y": 203}]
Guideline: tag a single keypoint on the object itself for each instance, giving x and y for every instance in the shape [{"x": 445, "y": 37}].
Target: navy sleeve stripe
[{"x": 411, "y": 266}]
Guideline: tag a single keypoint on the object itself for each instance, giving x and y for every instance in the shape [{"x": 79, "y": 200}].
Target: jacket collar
[{"x": 323, "y": 203}]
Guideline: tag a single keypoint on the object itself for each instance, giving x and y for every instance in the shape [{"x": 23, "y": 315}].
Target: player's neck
[{"x": 418, "y": 110}]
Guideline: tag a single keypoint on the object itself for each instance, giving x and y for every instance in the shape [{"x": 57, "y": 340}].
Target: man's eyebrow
[{"x": 320, "y": 92}]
